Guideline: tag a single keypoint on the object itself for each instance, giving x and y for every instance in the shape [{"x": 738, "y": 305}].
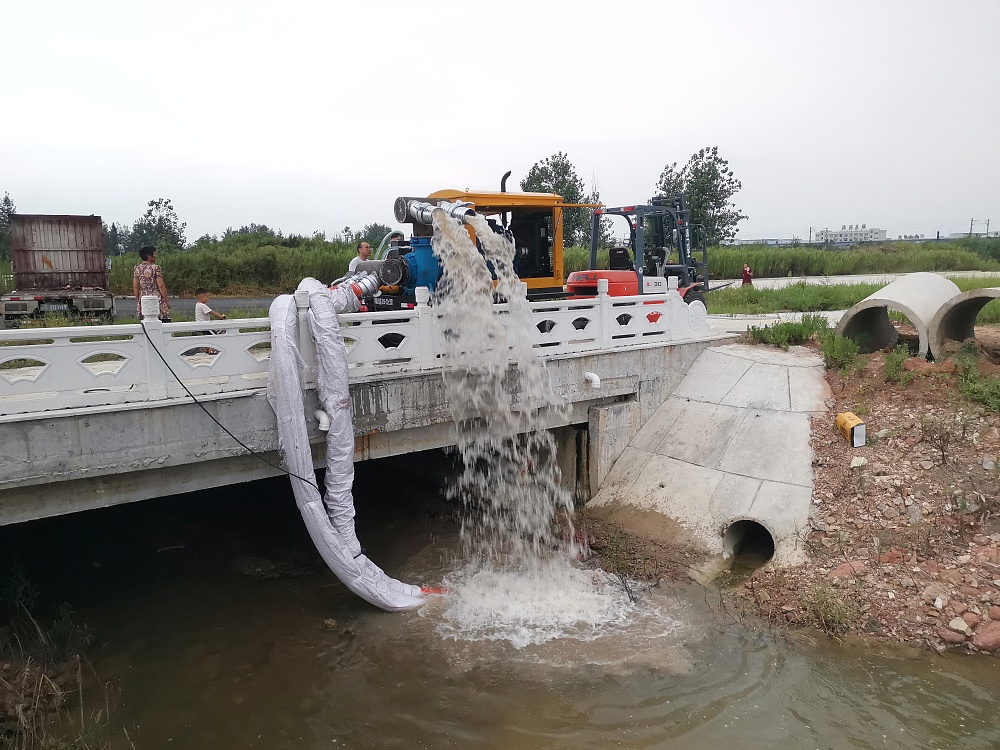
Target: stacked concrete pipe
[
  {"x": 956, "y": 319},
  {"x": 919, "y": 296}
]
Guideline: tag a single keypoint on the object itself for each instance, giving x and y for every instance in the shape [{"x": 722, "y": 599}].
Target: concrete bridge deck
[{"x": 91, "y": 417}]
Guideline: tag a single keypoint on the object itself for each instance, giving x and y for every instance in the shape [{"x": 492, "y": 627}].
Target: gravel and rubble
[{"x": 904, "y": 541}]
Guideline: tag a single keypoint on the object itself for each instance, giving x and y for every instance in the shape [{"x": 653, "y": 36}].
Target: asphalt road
[
  {"x": 227, "y": 304},
  {"x": 224, "y": 305},
  {"x": 868, "y": 278}
]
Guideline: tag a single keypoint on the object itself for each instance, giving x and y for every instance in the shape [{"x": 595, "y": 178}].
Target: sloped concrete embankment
[
  {"x": 726, "y": 453},
  {"x": 919, "y": 296}
]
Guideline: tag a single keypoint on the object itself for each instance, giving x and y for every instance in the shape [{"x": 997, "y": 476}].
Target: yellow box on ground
[{"x": 852, "y": 428}]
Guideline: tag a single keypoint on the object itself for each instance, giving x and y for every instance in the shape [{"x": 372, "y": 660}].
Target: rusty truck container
[
  {"x": 59, "y": 267},
  {"x": 53, "y": 252}
]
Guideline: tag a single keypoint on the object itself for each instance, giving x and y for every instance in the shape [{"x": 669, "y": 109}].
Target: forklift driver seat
[{"x": 620, "y": 259}]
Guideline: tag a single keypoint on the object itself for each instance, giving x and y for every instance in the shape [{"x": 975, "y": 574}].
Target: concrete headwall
[{"x": 730, "y": 445}]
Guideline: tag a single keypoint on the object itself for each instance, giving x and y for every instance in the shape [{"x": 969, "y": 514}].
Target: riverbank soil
[
  {"x": 904, "y": 541},
  {"x": 904, "y": 536},
  {"x": 621, "y": 540}
]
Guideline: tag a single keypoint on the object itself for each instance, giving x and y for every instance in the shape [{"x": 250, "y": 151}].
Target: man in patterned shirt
[{"x": 147, "y": 281}]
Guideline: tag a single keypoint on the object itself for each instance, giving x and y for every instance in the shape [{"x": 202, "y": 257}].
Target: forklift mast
[{"x": 655, "y": 230}]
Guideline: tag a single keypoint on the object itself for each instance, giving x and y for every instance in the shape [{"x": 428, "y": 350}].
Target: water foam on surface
[{"x": 552, "y": 600}]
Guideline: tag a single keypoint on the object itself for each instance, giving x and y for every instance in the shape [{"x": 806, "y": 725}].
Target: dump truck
[{"x": 59, "y": 267}]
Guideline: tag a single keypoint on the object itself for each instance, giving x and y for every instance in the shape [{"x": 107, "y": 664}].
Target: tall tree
[
  {"x": 116, "y": 239},
  {"x": 708, "y": 185},
  {"x": 374, "y": 233},
  {"x": 556, "y": 174},
  {"x": 605, "y": 226},
  {"x": 261, "y": 229},
  {"x": 159, "y": 227},
  {"x": 7, "y": 209}
]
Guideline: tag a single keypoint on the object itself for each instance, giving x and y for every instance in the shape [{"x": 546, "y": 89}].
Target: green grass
[
  {"x": 252, "y": 265},
  {"x": 982, "y": 389},
  {"x": 990, "y": 313},
  {"x": 818, "y": 297},
  {"x": 895, "y": 365},
  {"x": 6, "y": 281},
  {"x": 829, "y": 610},
  {"x": 839, "y": 353},
  {"x": 891, "y": 257},
  {"x": 26, "y": 342},
  {"x": 243, "y": 265},
  {"x": 801, "y": 297},
  {"x": 788, "y": 333}
]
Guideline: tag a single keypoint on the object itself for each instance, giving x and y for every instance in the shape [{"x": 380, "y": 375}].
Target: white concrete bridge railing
[{"x": 62, "y": 368}]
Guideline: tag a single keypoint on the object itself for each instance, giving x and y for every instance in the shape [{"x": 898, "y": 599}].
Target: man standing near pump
[{"x": 364, "y": 253}]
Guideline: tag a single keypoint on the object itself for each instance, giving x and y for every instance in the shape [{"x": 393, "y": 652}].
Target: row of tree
[
  {"x": 160, "y": 227},
  {"x": 7, "y": 209},
  {"x": 706, "y": 182}
]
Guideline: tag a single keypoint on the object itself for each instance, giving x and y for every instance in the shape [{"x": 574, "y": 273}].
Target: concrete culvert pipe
[
  {"x": 749, "y": 543},
  {"x": 918, "y": 296},
  {"x": 956, "y": 320}
]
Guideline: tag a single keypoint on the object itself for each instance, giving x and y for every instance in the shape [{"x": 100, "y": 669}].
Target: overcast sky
[{"x": 315, "y": 115}]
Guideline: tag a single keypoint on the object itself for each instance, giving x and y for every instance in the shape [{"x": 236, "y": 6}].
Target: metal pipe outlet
[{"x": 421, "y": 211}]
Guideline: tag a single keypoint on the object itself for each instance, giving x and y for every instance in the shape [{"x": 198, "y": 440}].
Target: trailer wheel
[{"x": 695, "y": 296}]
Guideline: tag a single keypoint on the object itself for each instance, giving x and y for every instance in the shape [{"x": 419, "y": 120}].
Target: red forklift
[{"x": 661, "y": 239}]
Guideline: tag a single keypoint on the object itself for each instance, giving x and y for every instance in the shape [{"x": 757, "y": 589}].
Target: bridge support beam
[{"x": 611, "y": 429}]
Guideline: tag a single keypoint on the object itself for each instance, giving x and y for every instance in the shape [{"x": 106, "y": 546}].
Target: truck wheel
[{"x": 692, "y": 296}]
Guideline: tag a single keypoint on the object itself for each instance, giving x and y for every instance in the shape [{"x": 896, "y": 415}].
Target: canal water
[{"x": 220, "y": 627}]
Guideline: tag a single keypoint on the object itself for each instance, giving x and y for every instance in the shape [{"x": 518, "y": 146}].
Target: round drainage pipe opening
[{"x": 748, "y": 543}]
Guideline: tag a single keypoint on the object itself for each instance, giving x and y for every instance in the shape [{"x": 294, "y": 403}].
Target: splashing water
[
  {"x": 519, "y": 583},
  {"x": 510, "y": 478}
]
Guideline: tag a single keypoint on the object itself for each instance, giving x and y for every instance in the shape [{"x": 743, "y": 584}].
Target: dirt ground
[{"x": 904, "y": 543}]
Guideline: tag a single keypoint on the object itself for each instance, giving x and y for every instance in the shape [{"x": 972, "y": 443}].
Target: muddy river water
[{"x": 207, "y": 654}]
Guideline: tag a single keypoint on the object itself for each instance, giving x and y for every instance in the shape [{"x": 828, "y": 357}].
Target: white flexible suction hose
[{"x": 329, "y": 520}]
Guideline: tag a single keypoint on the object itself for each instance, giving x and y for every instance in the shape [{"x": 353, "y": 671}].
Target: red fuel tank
[{"x": 584, "y": 283}]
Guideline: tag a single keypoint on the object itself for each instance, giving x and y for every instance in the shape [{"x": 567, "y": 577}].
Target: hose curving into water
[{"x": 329, "y": 519}]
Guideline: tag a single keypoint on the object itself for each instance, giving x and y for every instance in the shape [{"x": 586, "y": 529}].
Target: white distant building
[{"x": 851, "y": 233}]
